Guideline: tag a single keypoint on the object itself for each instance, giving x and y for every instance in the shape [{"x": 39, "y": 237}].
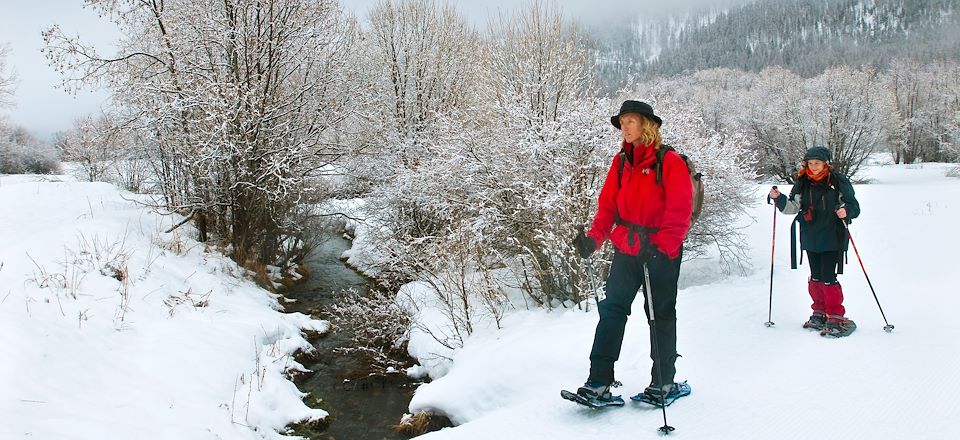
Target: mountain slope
[{"x": 805, "y": 36}]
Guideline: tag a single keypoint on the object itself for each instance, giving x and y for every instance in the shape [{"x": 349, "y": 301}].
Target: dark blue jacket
[{"x": 815, "y": 204}]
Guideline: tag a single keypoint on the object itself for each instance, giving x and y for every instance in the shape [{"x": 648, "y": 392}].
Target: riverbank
[{"x": 114, "y": 329}]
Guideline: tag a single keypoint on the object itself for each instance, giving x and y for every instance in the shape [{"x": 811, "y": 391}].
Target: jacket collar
[{"x": 639, "y": 155}]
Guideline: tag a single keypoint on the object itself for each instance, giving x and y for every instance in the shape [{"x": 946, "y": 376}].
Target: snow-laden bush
[
  {"x": 721, "y": 155},
  {"x": 21, "y": 152},
  {"x": 379, "y": 329}
]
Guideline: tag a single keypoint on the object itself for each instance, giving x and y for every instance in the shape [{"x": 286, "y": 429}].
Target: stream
[{"x": 359, "y": 409}]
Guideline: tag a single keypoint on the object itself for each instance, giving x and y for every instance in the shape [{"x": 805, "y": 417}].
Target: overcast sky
[
  {"x": 38, "y": 106},
  {"x": 44, "y": 109}
]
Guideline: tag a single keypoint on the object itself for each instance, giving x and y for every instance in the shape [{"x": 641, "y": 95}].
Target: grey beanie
[{"x": 819, "y": 153}]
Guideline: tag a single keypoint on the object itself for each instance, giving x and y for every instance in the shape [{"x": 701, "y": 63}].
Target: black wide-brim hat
[{"x": 635, "y": 107}]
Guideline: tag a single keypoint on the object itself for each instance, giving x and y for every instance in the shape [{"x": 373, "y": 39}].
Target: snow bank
[{"x": 113, "y": 329}]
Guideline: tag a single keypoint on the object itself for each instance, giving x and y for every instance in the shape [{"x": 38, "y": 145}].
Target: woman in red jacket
[{"x": 646, "y": 219}]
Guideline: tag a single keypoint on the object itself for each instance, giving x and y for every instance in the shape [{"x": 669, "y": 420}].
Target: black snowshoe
[
  {"x": 663, "y": 396},
  {"x": 593, "y": 395}
]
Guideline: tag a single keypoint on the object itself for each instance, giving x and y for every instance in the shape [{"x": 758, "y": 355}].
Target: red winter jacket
[{"x": 642, "y": 201}]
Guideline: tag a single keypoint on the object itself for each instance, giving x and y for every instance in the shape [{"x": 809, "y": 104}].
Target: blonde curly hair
[{"x": 649, "y": 130}]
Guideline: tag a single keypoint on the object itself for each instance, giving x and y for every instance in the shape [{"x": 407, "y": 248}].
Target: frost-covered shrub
[
  {"x": 378, "y": 326},
  {"x": 721, "y": 155},
  {"x": 21, "y": 152}
]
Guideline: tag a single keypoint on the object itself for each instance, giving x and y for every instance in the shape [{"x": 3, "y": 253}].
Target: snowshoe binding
[
  {"x": 817, "y": 321},
  {"x": 594, "y": 395},
  {"x": 838, "y": 327},
  {"x": 663, "y": 396}
]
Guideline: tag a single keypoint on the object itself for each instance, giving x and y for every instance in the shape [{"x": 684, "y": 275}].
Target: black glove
[
  {"x": 585, "y": 245},
  {"x": 648, "y": 250}
]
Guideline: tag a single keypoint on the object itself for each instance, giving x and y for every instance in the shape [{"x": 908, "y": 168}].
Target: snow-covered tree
[
  {"x": 944, "y": 114},
  {"x": 772, "y": 117},
  {"x": 904, "y": 80},
  {"x": 849, "y": 112},
  {"x": 718, "y": 94},
  {"x": 93, "y": 145},
  {"x": 421, "y": 61},
  {"x": 950, "y": 134},
  {"x": 541, "y": 137},
  {"x": 106, "y": 149},
  {"x": 429, "y": 234},
  {"x": 419, "y": 72},
  {"x": 537, "y": 65},
  {"x": 418, "y": 67},
  {"x": 239, "y": 99},
  {"x": 508, "y": 173},
  {"x": 7, "y": 150},
  {"x": 927, "y": 104},
  {"x": 7, "y": 78}
]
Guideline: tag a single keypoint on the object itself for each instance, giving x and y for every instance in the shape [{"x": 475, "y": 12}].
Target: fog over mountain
[{"x": 805, "y": 36}]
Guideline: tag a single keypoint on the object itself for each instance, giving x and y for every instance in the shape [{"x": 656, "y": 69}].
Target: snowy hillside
[
  {"x": 804, "y": 36},
  {"x": 750, "y": 381},
  {"x": 113, "y": 329}
]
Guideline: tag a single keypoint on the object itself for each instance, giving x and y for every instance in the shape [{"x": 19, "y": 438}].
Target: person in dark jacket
[
  {"x": 824, "y": 202},
  {"x": 647, "y": 222}
]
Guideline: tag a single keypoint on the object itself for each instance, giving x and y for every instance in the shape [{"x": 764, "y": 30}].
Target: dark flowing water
[{"x": 359, "y": 409}]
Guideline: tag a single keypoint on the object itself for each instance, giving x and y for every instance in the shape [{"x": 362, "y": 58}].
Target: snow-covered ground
[
  {"x": 750, "y": 381},
  {"x": 113, "y": 329}
]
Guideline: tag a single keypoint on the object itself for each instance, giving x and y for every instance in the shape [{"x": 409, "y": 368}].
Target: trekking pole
[
  {"x": 888, "y": 327},
  {"x": 592, "y": 279},
  {"x": 773, "y": 244},
  {"x": 666, "y": 429}
]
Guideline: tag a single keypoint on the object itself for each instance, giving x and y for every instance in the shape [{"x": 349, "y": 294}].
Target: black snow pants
[{"x": 623, "y": 283}]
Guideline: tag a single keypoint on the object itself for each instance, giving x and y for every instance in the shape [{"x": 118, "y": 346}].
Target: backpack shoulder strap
[
  {"x": 622, "y": 157},
  {"x": 834, "y": 180},
  {"x": 658, "y": 163}
]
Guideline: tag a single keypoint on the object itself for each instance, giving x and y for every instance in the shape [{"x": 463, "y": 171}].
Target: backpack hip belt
[{"x": 634, "y": 229}]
